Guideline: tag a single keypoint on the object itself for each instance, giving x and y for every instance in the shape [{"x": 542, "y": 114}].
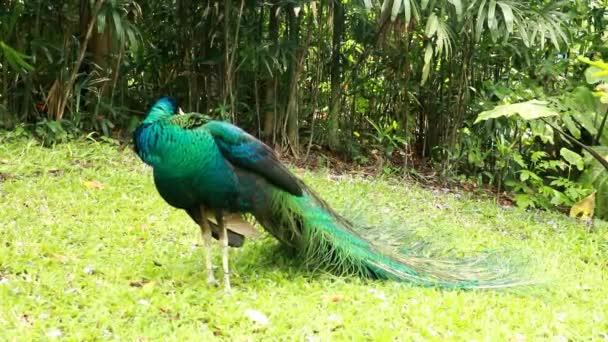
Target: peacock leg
[
  {"x": 206, "y": 231},
  {"x": 224, "y": 241}
]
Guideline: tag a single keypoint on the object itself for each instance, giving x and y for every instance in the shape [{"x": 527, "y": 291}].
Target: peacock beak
[{"x": 180, "y": 111}]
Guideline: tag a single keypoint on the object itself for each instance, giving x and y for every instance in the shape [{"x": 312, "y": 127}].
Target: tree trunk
[
  {"x": 406, "y": 79},
  {"x": 5, "y": 117},
  {"x": 99, "y": 49},
  {"x": 227, "y": 96},
  {"x": 291, "y": 113},
  {"x": 59, "y": 93},
  {"x": 271, "y": 84},
  {"x": 336, "y": 76},
  {"x": 184, "y": 11},
  {"x": 230, "y": 51}
]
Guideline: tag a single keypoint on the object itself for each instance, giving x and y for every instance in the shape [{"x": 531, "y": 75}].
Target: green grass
[{"x": 82, "y": 262}]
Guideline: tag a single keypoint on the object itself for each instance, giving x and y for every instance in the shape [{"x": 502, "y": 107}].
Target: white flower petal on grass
[{"x": 55, "y": 333}]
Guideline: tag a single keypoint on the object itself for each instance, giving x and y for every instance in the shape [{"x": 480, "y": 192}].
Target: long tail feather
[{"x": 323, "y": 238}]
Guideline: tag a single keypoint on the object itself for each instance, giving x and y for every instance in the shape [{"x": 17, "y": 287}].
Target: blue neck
[{"x": 165, "y": 107}]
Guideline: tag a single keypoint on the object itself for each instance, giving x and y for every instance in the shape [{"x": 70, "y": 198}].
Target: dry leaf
[
  {"x": 61, "y": 258},
  {"x": 336, "y": 298},
  {"x": 93, "y": 184},
  {"x": 583, "y": 209}
]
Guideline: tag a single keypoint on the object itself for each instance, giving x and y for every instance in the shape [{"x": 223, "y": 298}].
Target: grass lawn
[{"x": 88, "y": 251}]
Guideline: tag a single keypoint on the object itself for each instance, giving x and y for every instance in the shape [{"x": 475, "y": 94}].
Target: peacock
[{"x": 217, "y": 172}]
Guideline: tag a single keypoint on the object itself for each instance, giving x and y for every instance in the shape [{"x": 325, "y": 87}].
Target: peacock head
[{"x": 163, "y": 108}]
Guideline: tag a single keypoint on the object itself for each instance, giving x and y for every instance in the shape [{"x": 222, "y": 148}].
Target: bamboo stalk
[{"x": 55, "y": 95}]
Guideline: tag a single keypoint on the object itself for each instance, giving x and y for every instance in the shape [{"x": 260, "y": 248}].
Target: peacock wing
[
  {"x": 247, "y": 152},
  {"x": 237, "y": 224}
]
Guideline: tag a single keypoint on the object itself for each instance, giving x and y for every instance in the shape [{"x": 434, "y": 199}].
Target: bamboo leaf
[
  {"x": 492, "y": 23},
  {"x": 118, "y": 28},
  {"x": 552, "y": 35},
  {"x": 444, "y": 38},
  {"x": 101, "y": 22},
  {"x": 507, "y": 14},
  {"x": 431, "y": 25},
  {"x": 385, "y": 5},
  {"x": 481, "y": 17},
  {"x": 533, "y": 34},
  {"x": 407, "y": 10},
  {"x": 458, "y": 7},
  {"x": 16, "y": 59},
  {"x": 523, "y": 32},
  {"x": 396, "y": 8},
  {"x": 426, "y": 69},
  {"x": 132, "y": 37},
  {"x": 558, "y": 28}
]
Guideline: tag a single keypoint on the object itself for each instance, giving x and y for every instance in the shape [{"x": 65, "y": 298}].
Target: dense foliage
[{"x": 401, "y": 80}]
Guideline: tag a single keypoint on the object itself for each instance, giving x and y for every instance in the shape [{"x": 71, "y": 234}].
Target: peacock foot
[
  {"x": 227, "y": 287},
  {"x": 213, "y": 282}
]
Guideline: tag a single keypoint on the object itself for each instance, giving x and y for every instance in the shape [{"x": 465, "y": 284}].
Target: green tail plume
[{"x": 323, "y": 238}]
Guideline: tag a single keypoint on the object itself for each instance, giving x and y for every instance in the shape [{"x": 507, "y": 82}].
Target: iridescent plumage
[{"x": 202, "y": 163}]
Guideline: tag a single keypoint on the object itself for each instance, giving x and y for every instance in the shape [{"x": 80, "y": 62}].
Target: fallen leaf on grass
[
  {"x": 93, "y": 184},
  {"x": 583, "y": 209},
  {"x": 169, "y": 314},
  {"x": 5, "y": 176},
  {"x": 61, "y": 258},
  {"x": 336, "y": 298}
]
